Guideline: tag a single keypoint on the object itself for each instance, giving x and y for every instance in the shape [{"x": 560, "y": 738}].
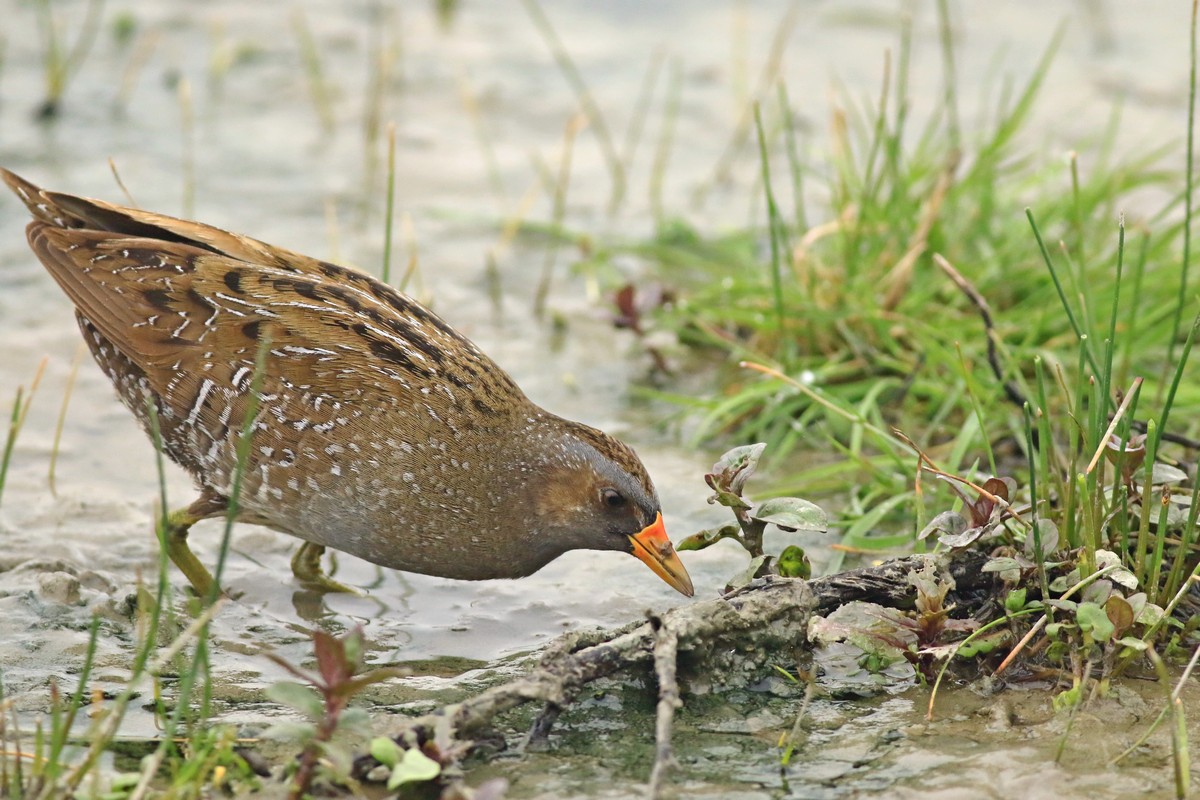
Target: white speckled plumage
[{"x": 380, "y": 430}]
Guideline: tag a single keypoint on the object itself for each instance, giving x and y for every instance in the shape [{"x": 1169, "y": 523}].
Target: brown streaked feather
[
  {"x": 175, "y": 319},
  {"x": 165, "y": 304},
  {"x": 379, "y": 429},
  {"x": 70, "y": 211}
]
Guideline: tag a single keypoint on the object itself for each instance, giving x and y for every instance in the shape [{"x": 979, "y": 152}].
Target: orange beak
[{"x": 653, "y": 548}]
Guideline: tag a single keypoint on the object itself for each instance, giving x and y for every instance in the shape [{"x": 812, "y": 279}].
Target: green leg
[
  {"x": 306, "y": 566},
  {"x": 178, "y": 524}
]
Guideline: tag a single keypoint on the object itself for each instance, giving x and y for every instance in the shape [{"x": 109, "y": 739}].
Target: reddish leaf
[{"x": 629, "y": 316}]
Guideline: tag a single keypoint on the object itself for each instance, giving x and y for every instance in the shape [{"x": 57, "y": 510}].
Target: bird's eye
[{"x": 612, "y": 498}]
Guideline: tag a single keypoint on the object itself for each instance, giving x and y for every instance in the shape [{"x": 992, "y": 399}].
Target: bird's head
[{"x": 592, "y": 492}]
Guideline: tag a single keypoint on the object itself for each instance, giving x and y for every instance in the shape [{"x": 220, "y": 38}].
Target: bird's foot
[
  {"x": 306, "y": 566},
  {"x": 178, "y": 523}
]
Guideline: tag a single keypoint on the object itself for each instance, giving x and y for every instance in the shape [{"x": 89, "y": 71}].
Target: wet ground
[
  {"x": 208, "y": 111},
  {"x": 1001, "y": 746}
]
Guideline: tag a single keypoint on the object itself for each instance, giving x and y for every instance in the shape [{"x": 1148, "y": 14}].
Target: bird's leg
[
  {"x": 306, "y": 566},
  {"x": 178, "y": 524}
]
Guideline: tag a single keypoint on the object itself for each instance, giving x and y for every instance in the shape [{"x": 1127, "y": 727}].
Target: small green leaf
[
  {"x": 1001, "y": 564},
  {"x": 735, "y": 466},
  {"x": 982, "y": 645},
  {"x": 339, "y": 755},
  {"x": 124, "y": 782},
  {"x": 1119, "y": 575},
  {"x": 1150, "y": 614},
  {"x": 753, "y": 570},
  {"x": 1015, "y": 600},
  {"x": 1136, "y": 602},
  {"x": 1064, "y": 582},
  {"x": 789, "y": 676},
  {"x": 1097, "y": 592},
  {"x": 956, "y": 540},
  {"x": 297, "y": 696},
  {"x": 355, "y": 721},
  {"x": 415, "y": 766},
  {"x": 793, "y": 563},
  {"x": 386, "y": 751},
  {"x": 1133, "y": 643},
  {"x": 353, "y": 647},
  {"x": 708, "y": 537},
  {"x": 1092, "y": 619},
  {"x": 359, "y": 682},
  {"x": 1164, "y": 473},
  {"x": 724, "y": 497},
  {"x": 1048, "y": 534},
  {"x": 1069, "y": 698},
  {"x": 791, "y": 514}
]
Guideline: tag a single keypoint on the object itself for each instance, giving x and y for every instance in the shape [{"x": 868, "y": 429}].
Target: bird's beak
[{"x": 653, "y": 548}]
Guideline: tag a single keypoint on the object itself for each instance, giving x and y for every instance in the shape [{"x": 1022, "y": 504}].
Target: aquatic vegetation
[
  {"x": 324, "y": 699},
  {"x": 318, "y": 85},
  {"x": 791, "y": 514},
  {"x": 60, "y": 61},
  {"x": 1047, "y": 429},
  {"x": 20, "y": 410}
]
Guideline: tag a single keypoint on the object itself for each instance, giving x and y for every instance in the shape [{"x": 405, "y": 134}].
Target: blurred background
[{"x": 535, "y": 147}]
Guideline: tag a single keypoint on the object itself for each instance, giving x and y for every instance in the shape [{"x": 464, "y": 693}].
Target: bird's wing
[{"x": 193, "y": 321}]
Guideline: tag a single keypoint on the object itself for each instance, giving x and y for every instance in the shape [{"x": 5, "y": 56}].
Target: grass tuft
[
  {"x": 318, "y": 86},
  {"x": 20, "y": 410},
  {"x": 595, "y": 116}
]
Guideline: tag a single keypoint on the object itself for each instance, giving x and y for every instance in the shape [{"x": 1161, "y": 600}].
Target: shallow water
[
  {"x": 262, "y": 166},
  {"x": 979, "y": 747}
]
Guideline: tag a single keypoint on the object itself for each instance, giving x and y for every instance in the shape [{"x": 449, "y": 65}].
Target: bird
[{"x": 319, "y": 401}]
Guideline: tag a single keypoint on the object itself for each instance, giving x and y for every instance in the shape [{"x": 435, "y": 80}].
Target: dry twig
[
  {"x": 666, "y": 650},
  {"x": 712, "y": 643}
]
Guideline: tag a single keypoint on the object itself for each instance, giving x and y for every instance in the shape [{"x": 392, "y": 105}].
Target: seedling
[
  {"x": 979, "y": 517},
  {"x": 791, "y": 514},
  {"x": 323, "y": 697}
]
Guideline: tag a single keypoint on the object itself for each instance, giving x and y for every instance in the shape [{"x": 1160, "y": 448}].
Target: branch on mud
[
  {"x": 737, "y": 635},
  {"x": 666, "y": 652}
]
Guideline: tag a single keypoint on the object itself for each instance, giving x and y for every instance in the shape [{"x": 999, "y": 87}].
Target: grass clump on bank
[
  {"x": 921, "y": 299},
  {"x": 991, "y": 370}
]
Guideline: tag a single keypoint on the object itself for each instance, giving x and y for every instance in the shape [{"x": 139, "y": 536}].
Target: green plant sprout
[{"x": 790, "y": 514}]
